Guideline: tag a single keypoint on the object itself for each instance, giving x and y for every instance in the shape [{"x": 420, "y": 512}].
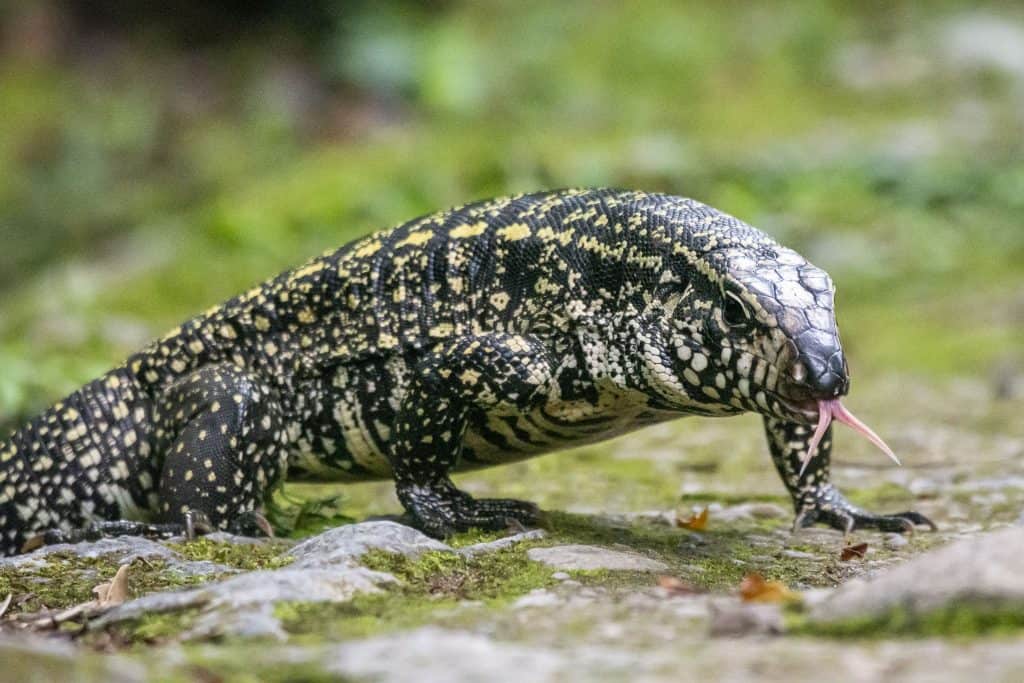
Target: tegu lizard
[{"x": 481, "y": 335}]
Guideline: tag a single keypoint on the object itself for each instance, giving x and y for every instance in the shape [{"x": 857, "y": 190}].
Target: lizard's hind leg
[
  {"x": 229, "y": 448},
  {"x": 482, "y": 373}
]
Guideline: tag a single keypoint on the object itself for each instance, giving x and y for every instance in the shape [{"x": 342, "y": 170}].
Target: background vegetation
[{"x": 154, "y": 163}]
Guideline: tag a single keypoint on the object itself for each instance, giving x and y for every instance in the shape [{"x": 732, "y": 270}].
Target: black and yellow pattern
[{"x": 489, "y": 333}]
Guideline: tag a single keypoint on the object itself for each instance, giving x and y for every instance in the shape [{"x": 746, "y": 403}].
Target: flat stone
[
  {"x": 236, "y": 601},
  {"x": 345, "y": 544},
  {"x": 589, "y": 557},
  {"x": 979, "y": 571},
  {"x": 537, "y": 598},
  {"x": 435, "y": 654},
  {"x": 501, "y": 543},
  {"x": 120, "y": 549}
]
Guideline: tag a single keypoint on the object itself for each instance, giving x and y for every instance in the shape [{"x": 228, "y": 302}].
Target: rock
[
  {"x": 561, "y": 576},
  {"x": 230, "y": 606},
  {"x": 974, "y": 572},
  {"x": 501, "y": 543},
  {"x": 345, "y": 544},
  {"x": 798, "y": 554},
  {"x": 732, "y": 619},
  {"x": 588, "y": 557},
  {"x": 435, "y": 654},
  {"x": 537, "y": 598},
  {"x": 895, "y": 541},
  {"x": 120, "y": 549}
]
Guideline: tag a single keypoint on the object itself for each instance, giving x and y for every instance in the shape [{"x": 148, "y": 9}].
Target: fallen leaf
[
  {"x": 676, "y": 587},
  {"x": 854, "y": 552},
  {"x": 115, "y": 591},
  {"x": 698, "y": 522},
  {"x": 6, "y": 603},
  {"x": 754, "y": 588}
]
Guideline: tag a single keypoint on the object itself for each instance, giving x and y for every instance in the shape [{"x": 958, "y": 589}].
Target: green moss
[
  {"x": 716, "y": 559},
  {"x": 65, "y": 580},
  {"x": 244, "y": 556},
  {"x": 491, "y": 576},
  {"x": 876, "y": 497},
  {"x": 150, "y": 629},
  {"x": 435, "y": 588},
  {"x": 962, "y": 620}
]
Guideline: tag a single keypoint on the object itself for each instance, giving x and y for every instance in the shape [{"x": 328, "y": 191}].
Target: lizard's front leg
[
  {"x": 815, "y": 498},
  {"x": 469, "y": 374}
]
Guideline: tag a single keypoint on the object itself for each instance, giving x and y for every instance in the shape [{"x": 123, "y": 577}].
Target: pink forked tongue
[{"x": 834, "y": 410}]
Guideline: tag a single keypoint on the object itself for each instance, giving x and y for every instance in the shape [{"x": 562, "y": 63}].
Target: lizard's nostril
[{"x": 798, "y": 372}]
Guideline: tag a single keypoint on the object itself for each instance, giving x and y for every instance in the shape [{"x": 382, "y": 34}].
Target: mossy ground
[
  {"x": 65, "y": 580},
  {"x": 861, "y": 136}
]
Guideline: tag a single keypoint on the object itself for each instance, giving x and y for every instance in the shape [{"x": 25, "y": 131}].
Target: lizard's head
[{"x": 757, "y": 331}]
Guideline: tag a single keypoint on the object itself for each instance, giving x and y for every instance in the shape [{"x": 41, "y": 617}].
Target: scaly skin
[{"x": 485, "y": 334}]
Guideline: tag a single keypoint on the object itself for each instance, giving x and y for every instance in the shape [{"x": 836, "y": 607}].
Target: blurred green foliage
[{"x": 146, "y": 174}]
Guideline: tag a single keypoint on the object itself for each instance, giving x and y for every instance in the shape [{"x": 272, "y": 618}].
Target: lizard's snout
[{"x": 813, "y": 377}]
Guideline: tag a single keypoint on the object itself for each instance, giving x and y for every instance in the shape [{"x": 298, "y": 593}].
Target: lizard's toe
[
  {"x": 829, "y": 506},
  {"x": 495, "y": 514}
]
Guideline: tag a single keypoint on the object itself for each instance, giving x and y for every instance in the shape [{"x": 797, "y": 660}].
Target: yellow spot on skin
[
  {"x": 195, "y": 346},
  {"x": 516, "y": 231},
  {"x": 308, "y": 270},
  {"x": 113, "y": 382},
  {"x": 261, "y": 323},
  {"x": 227, "y": 331},
  {"x": 442, "y": 330},
  {"x": 499, "y": 300},
  {"x": 469, "y": 376},
  {"x": 188, "y": 475},
  {"x": 270, "y": 348},
  {"x": 211, "y": 477},
  {"x": 471, "y": 230},
  {"x": 369, "y": 248},
  {"x": 178, "y": 365},
  {"x": 417, "y": 238},
  {"x": 306, "y": 316}
]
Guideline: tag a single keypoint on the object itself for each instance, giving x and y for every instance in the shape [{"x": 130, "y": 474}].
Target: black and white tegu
[{"x": 472, "y": 337}]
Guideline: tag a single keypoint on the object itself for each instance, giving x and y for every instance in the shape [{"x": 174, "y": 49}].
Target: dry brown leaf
[
  {"x": 698, "y": 522},
  {"x": 675, "y": 586},
  {"x": 113, "y": 592},
  {"x": 754, "y": 588},
  {"x": 854, "y": 552}
]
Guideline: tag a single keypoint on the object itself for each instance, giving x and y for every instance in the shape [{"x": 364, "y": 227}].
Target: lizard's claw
[
  {"x": 442, "y": 510},
  {"x": 252, "y": 524},
  {"x": 828, "y": 506}
]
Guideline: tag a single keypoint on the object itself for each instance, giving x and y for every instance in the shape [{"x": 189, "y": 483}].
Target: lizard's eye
[{"x": 735, "y": 314}]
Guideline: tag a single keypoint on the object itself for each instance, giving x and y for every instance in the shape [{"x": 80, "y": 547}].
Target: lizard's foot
[
  {"x": 827, "y": 506},
  {"x": 442, "y": 510},
  {"x": 251, "y": 523}
]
